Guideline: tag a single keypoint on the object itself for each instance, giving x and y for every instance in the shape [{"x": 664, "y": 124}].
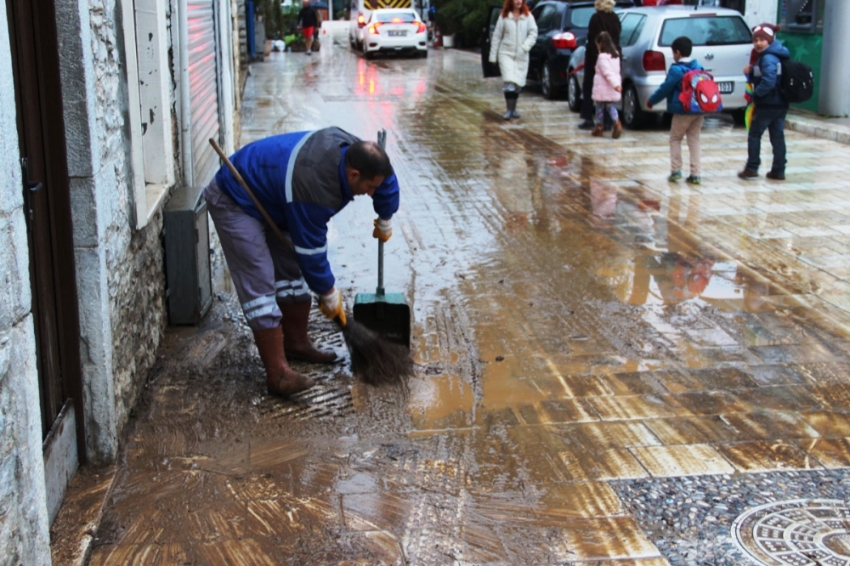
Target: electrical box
[{"x": 187, "y": 256}]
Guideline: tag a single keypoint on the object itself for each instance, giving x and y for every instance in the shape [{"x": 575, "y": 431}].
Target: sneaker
[
  {"x": 775, "y": 176},
  {"x": 674, "y": 177},
  {"x": 309, "y": 52},
  {"x": 694, "y": 180},
  {"x": 748, "y": 174}
]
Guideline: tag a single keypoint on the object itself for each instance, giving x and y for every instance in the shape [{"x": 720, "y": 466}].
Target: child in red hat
[{"x": 771, "y": 107}]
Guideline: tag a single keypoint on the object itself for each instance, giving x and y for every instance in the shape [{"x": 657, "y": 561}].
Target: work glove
[
  {"x": 331, "y": 305},
  {"x": 383, "y": 229}
]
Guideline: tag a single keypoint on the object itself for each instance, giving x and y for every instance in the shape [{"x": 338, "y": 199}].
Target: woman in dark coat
[{"x": 603, "y": 20}]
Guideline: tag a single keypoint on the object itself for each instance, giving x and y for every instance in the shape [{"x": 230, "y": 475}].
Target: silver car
[{"x": 722, "y": 44}]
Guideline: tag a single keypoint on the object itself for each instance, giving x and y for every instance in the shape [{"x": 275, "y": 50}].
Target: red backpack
[{"x": 700, "y": 94}]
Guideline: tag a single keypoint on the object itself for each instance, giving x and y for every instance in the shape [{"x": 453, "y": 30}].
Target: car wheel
[
  {"x": 424, "y": 54},
  {"x": 574, "y": 94},
  {"x": 738, "y": 116},
  {"x": 365, "y": 49},
  {"x": 549, "y": 90},
  {"x": 633, "y": 116}
]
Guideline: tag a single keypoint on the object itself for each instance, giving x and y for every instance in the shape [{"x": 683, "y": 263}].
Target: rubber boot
[
  {"x": 280, "y": 378},
  {"x": 296, "y": 343},
  {"x": 514, "y": 113},
  {"x": 597, "y": 130},
  {"x": 618, "y": 130},
  {"x": 508, "y": 101}
]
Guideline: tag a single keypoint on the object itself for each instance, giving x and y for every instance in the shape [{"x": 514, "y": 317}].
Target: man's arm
[
  {"x": 308, "y": 228},
  {"x": 385, "y": 201}
]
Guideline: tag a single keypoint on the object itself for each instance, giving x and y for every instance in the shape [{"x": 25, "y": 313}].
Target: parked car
[
  {"x": 722, "y": 44},
  {"x": 398, "y": 30},
  {"x": 561, "y": 27}
]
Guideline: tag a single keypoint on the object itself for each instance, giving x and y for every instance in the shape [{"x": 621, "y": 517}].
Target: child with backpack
[
  {"x": 683, "y": 125},
  {"x": 770, "y": 104},
  {"x": 607, "y": 85}
]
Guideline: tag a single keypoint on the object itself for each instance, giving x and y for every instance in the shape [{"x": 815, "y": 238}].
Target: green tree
[{"x": 466, "y": 19}]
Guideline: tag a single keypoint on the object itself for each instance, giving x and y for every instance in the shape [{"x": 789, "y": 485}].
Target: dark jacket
[
  {"x": 599, "y": 22},
  {"x": 765, "y": 76},
  {"x": 300, "y": 180},
  {"x": 307, "y": 17},
  {"x": 672, "y": 85}
]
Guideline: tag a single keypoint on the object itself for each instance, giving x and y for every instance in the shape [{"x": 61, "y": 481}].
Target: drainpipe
[
  {"x": 185, "y": 106},
  {"x": 834, "y": 99}
]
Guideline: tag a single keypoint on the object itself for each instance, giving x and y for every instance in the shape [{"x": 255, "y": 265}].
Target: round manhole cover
[{"x": 802, "y": 532}]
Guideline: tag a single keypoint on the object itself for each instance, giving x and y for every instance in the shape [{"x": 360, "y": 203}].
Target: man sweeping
[{"x": 302, "y": 180}]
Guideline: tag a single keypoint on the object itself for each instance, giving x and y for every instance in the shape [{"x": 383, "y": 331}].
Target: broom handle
[
  {"x": 382, "y": 142},
  {"x": 256, "y": 202},
  {"x": 287, "y": 244}
]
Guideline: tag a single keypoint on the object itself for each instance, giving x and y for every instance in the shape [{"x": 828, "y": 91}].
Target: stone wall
[
  {"x": 134, "y": 262},
  {"x": 120, "y": 270},
  {"x": 23, "y": 509}
]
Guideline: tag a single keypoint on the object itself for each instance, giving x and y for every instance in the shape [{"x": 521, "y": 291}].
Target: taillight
[
  {"x": 565, "y": 40},
  {"x": 420, "y": 27},
  {"x": 373, "y": 29},
  {"x": 653, "y": 61},
  {"x": 361, "y": 21}
]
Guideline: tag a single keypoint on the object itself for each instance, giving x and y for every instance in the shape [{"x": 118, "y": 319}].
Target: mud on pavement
[{"x": 609, "y": 369}]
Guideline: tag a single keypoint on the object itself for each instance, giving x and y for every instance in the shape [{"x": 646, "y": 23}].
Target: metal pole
[{"x": 834, "y": 79}]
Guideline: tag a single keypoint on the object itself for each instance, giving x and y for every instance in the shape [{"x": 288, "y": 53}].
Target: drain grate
[{"x": 801, "y": 532}]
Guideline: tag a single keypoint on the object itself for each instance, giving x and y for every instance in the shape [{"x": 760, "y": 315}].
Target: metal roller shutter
[{"x": 203, "y": 88}]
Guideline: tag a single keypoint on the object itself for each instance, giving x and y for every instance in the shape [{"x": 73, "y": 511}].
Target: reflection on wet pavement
[{"x": 577, "y": 321}]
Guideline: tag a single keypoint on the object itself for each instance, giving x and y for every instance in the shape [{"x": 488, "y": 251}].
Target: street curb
[{"x": 819, "y": 128}]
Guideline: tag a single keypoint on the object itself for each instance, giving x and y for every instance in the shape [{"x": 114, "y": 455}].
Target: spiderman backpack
[{"x": 700, "y": 94}]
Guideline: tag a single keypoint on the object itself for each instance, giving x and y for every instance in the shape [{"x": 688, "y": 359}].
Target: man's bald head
[{"x": 368, "y": 159}]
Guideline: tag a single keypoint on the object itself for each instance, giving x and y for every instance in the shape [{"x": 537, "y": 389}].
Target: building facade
[{"x": 105, "y": 108}]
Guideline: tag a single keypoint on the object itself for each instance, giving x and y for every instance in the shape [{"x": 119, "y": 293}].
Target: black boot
[
  {"x": 512, "y": 106},
  {"x": 508, "y": 101}
]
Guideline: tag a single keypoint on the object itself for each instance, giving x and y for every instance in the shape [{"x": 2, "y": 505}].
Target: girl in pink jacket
[{"x": 607, "y": 84}]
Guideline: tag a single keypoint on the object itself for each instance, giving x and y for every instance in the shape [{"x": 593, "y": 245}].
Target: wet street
[{"x": 610, "y": 369}]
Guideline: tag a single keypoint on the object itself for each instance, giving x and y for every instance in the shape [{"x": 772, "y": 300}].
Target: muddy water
[{"x": 577, "y": 320}]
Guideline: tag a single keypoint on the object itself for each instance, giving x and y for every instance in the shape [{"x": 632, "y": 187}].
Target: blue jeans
[{"x": 772, "y": 120}]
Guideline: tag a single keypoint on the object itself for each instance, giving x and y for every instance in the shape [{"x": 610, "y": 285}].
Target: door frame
[{"x": 39, "y": 108}]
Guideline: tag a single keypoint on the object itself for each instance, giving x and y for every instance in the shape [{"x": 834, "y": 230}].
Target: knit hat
[{"x": 765, "y": 31}]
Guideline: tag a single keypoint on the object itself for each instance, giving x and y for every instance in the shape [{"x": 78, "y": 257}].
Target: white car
[{"x": 398, "y": 30}]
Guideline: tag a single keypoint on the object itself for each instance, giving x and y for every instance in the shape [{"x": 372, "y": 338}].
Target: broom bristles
[{"x": 375, "y": 360}]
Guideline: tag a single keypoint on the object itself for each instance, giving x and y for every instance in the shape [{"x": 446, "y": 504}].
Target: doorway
[{"x": 47, "y": 207}]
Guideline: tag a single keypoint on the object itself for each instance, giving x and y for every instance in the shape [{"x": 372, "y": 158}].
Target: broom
[{"x": 375, "y": 360}]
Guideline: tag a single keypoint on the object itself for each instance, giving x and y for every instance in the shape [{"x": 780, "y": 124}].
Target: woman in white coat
[{"x": 513, "y": 38}]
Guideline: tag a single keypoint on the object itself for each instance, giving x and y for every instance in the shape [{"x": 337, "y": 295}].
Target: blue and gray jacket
[
  {"x": 765, "y": 76},
  {"x": 672, "y": 85},
  {"x": 300, "y": 180}
]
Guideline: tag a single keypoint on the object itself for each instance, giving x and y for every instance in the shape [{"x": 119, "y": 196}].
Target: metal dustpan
[{"x": 387, "y": 314}]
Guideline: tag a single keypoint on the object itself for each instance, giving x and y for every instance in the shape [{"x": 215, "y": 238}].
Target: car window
[
  {"x": 548, "y": 18},
  {"x": 580, "y": 17},
  {"x": 403, "y": 17},
  {"x": 714, "y": 30},
  {"x": 632, "y": 25}
]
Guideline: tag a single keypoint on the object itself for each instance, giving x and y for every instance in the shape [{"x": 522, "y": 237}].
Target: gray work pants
[{"x": 264, "y": 270}]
